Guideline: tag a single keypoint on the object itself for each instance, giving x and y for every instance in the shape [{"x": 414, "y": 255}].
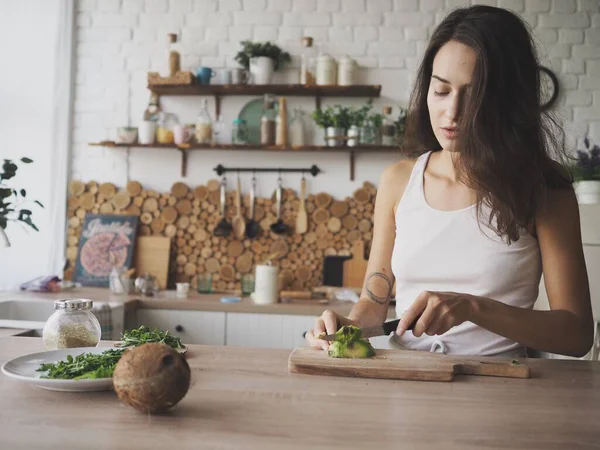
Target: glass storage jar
[
  {"x": 71, "y": 325},
  {"x": 239, "y": 132}
]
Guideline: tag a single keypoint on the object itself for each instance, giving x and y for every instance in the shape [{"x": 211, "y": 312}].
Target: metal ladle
[
  {"x": 223, "y": 228},
  {"x": 252, "y": 226},
  {"x": 279, "y": 227}
]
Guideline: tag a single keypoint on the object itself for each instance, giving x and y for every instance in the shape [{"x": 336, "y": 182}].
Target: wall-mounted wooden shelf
[
  {"x": 260, "y": 89},
  {"x": 296, "y": 90},
  {"x": 352, "y": 151}
]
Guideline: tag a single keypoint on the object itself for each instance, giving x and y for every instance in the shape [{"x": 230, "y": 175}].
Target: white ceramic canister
[
  {"x": 266, "y": 287},
  {"x": 346, "y": 71},
  {"x": 326, "y": 70}
]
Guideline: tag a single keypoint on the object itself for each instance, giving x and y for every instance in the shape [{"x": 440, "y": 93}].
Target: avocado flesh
[{"x": 350, "y": 345}]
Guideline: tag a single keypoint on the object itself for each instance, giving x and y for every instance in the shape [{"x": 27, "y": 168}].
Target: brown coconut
[{"x": 152, "y": 377}]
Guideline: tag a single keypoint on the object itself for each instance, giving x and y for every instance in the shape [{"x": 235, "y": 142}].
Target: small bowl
[{"x": 126, "y": 135}]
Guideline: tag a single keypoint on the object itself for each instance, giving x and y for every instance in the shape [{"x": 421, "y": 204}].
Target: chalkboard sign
[{"x": 107, "y": 240}]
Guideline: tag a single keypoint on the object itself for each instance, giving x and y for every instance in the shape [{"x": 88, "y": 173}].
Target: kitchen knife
[{"x": 378, "y": 330}]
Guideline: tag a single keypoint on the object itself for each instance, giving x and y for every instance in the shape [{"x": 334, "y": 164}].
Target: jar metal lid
[{"x": 73, "y": 304}]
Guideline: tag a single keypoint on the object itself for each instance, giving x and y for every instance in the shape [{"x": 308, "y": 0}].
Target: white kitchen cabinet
[
  {"x": 193, "y": 327},
  {"x": 267, "y": 330}
]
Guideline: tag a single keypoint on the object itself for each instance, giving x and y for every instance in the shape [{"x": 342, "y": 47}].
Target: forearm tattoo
[{"x": 379, "y": 287}]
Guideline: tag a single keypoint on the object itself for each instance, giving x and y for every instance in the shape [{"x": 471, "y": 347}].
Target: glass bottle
[
  {"x": 71, "y": 325},
  {"x": 174, "y": 55},
  {"x": 219, "y": 130},
  {"x": 306, "y": 62},
  {"x": 267, "y": 121},
  {"x": 204, "y": 130},
  {"x": 152, "y": 111},
  {"x": 297, "y": 132},
  {"x": 281, "y": 127},
  {"x": 239, "y": 132},
  {"x": 388, "y": 129}
]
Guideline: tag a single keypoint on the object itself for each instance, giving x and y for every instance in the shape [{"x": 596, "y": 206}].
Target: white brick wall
[{"x": 119, "y": 40}]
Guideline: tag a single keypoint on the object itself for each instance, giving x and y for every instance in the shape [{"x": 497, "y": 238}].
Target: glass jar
[
  {"x": 166, "y": 124},
  {"x": 239, "y": 132},
  {"x": 204, "y": 129},
  {"x": 71, "y": 325},
  {"x": 297, "y": 132}
]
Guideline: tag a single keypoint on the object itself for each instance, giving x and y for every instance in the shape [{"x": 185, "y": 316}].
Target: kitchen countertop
[
  {"x": 195, "y": 301},
  {"x": 245, "y": 398},
  {"x": 6, "y": 332}
]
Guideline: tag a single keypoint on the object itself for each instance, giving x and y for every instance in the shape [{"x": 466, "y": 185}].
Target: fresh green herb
[
  {"x": 92, "y": 366},
  {"x": 515, "y": 362},
  {"x": 84, "y": 366},
  {"x": 143, "y": 334}
]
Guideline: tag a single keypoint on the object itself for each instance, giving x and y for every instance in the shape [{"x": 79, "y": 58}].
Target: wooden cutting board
[
  {"x": 355, "y": 268},
  {"x": 152, "y": 256},
  {"x": 403, "y": 365}
]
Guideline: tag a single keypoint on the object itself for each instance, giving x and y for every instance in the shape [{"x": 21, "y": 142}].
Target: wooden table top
[{"x": 245, "y": 398}]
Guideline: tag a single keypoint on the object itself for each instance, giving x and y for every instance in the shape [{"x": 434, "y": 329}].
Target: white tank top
[{"x": 449, "y": 251}]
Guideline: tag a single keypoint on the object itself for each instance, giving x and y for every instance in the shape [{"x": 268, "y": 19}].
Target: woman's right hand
[{"x": 329, "y": 322}]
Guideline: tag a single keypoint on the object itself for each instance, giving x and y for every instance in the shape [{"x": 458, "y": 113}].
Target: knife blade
[{"x": 379, "y": 330}]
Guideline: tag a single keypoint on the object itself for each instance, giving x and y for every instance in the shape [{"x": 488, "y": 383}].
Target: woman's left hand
[{"x": 438, "y": 311}]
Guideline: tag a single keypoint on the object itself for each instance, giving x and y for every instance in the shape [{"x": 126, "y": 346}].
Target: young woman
[{"x": 467, "y": 228}]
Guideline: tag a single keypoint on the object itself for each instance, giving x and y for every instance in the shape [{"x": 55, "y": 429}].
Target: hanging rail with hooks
[{"x": 313, "y": 170}]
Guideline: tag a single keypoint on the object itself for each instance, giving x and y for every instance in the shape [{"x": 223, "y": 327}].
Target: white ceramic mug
[
  {"x": 181, "y": 134},
  {"x": 224, "y": 76},
  {"x": 146, "y": 132}
]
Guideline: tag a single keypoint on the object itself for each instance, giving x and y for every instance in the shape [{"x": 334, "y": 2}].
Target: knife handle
[{"x": 390, "y": 326}]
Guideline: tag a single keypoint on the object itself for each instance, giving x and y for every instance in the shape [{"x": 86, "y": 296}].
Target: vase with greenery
[
  {"x": 13, "y": 202},
  {"x": 370, "y": 129},
  {"x": 357, "y": 118},
  {"x": 586, "y": 173},
  {"x": 262, "y": 59},
  {"x": 335, "y": 121}
]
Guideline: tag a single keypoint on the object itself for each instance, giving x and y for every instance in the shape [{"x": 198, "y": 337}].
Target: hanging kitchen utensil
[
  {"x": 252, "y": 226},
  {"x": 238, "y": 223},
  {"x": 302, "y": 218},
  {"x": 279, "y": 227},
  {"x": 223, "y": 228}
]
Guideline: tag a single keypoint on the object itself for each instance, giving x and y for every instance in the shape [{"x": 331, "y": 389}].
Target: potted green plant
[
  {"x": 13, "y": 202},
  {"x": 357, "y": 118},
  {"x": 262, "y": 59},
  {"x": 335, "y": 120},
  {"x": 586, "y": 173}
]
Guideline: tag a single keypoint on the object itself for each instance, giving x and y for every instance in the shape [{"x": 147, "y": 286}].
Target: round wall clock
[{"x": 548, "y": 88}]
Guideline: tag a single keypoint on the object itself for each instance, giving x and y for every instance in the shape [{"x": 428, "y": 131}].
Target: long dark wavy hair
[{"x": 509, "y": 148}]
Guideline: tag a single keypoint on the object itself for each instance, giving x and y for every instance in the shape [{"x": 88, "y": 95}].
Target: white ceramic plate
[{"x": 24, "y": 368}]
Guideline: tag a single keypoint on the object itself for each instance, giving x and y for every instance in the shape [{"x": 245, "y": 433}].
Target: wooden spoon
[
  {"x": 302, "y": 218},
  {"x": 238, "y": 223}
]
